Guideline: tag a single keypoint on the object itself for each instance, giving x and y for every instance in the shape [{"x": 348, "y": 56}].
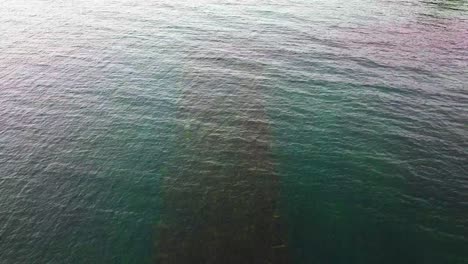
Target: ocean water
[{"x": 219, "y": 131}]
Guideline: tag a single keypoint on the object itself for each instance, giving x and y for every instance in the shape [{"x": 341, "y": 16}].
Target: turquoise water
[{"x": 207, "y": 131}]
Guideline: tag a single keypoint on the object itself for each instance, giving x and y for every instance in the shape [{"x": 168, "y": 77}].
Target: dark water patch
[{"x": 221, "y": 205}]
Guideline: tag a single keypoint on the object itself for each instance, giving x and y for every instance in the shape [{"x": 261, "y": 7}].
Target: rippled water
[{"x": 218, "y": 131}]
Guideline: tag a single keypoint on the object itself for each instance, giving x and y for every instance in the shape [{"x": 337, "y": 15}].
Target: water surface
[{"x": 207, "y": 131}]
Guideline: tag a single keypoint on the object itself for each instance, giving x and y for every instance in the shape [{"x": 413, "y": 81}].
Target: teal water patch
[{"x": 347, "y": 188}]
